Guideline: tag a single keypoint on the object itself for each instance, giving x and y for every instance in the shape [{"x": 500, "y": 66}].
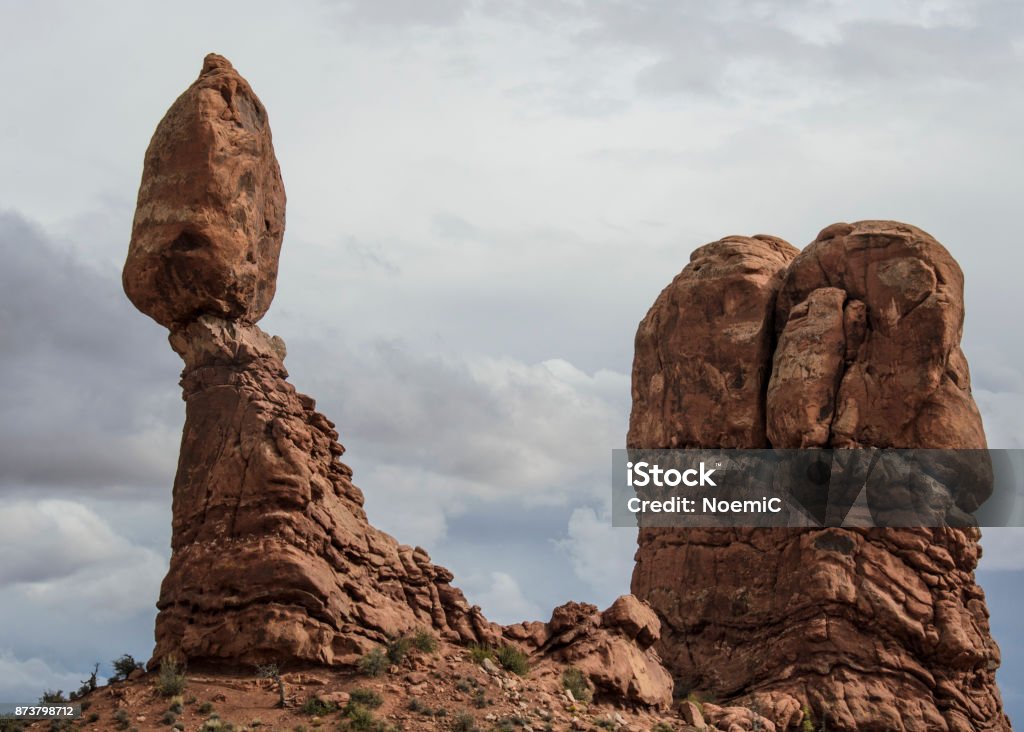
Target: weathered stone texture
[{"x": 877, "y": 629}]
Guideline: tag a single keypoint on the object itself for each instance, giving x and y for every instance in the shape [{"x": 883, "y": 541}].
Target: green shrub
[
  {"x": 512, "y": 659},
  {"x": 425, "y": 641},
  {"x": 478, "y": 653},
  {"x": 463, "y": 722},
  {"x": 206, "y": 707},
  {"x": 807, "y": 725},
  {"x": 121, "y": 719},
  {"x": 94, "y": 717},
  {"x": 169, "y": 717},
  {"x": 316, "y": 707},
  {"x": 365, "y": 697},
  {"x": 398, "y": 649},
  {"x": 123, "y": 666},
  {"x": 359, "y": 717},
  {"x": 663, "y": 727},
  {"x": 373, "y": 663},
  {"x": 177, "y": 705},
  {"x": 52, "y": 697},
  {"x": 576, "y": 682},
  {"x": 171, "y": 681}
]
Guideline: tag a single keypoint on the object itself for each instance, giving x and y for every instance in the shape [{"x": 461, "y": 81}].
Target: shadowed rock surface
[{"x": 875, "y": 629}]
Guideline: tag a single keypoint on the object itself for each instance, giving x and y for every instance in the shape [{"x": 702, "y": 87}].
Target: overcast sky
[{"x": 484, "y": 198}]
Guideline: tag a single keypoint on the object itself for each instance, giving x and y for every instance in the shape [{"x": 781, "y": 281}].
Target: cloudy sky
[{"x": 485, "y": 196}]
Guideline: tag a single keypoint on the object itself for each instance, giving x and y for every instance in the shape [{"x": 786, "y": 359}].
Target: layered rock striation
[{"x": 852, "y": 343}]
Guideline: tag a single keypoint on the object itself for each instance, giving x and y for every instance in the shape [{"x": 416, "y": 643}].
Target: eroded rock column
[
  {"x": 875, "y": 629},
  {"x": 273, "y": 558}
]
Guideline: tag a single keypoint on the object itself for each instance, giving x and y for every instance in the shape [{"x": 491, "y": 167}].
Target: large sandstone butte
[
  {"x": 853, "y": 342},
  {"x": 273, "y": 558}
]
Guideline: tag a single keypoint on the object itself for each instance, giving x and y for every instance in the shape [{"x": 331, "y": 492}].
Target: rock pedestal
[{"x": 273, "y": 558}]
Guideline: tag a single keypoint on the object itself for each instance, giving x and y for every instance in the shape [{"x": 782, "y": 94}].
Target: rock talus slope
[
  {"x": 853, "y": 342},
  {"x": 273, "y": 558}
]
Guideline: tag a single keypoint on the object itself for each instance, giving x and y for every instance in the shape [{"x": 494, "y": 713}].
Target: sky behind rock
[{"x": 484, "y": 199}]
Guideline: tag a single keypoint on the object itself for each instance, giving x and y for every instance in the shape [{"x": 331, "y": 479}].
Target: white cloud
[
  {"x": 61, "y": 558},
  {"x": 1001, "y": 412},
  {"x": 503, "y": 600},
  {"x": 1002, "y": 548},
  {"x": 24, "y": 680},
  {"x": 601, "y": 555}
]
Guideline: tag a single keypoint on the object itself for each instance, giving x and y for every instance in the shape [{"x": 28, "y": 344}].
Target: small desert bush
[
  {"x": 365, "y": 697},
  {"x": 124, "y": 666},
  {"x": 52, "y": 697},
  {"x": 807, "y": 725},
  {"x": 373, "y": 663},
  {"x": 316, "y": 707},
  {"x": 206, "y": 707},
  {"x": 121, "y": 719},
  {"x": 512, "y": 659},
  {"x": 358, "y": 718},
  {"x": 478, "y": 653},
  {"x": 177, "y": 704},
  {"x": 171, "y": 681},
  {"x": 663, "y": 727},
  {"x": 463, "y": 722},
  {"x": 576, "y": 682},
  {"x": 398, "y": 649},
  {"x": 424, "y": 641}
]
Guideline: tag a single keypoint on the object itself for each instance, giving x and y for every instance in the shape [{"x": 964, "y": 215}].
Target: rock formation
[
  {"x": 272, "y": 555},
  {"x": 273, "y": 559},
  {"x": 613, "y": 649},
  {"x": 853, "y": 342}
]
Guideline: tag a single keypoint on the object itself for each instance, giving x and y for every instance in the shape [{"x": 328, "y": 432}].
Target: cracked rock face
[
  {"x": 273, "y": 558},
  {"x": 852, "y": 343}
]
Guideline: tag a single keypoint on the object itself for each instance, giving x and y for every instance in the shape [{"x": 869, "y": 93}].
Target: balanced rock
[
  {"x": 872, "y": 629},
  {"x": 273, "y": 559},
  {"x": 210, "y": 214}
]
